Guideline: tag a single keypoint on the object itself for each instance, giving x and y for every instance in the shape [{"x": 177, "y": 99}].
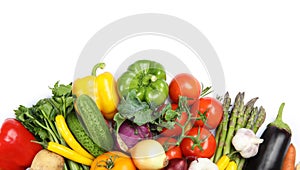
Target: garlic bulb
[
  {"x": 203, "y": 164},
  {"x": 246, "y": 142}
]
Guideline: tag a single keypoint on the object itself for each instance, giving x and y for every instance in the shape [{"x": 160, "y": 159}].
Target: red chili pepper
[{"x": 16, "y": 147}]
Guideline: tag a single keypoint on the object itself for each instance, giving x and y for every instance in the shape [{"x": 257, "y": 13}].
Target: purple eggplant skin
[
  {"x": 177, "y": 164},
  {"x": 277, "y": 137}
]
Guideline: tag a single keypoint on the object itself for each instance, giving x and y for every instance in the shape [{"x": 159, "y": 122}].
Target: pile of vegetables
[{"x": 140, "y": 121}]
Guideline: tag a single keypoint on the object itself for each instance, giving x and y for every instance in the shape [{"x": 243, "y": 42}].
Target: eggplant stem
[{"x": 278, "y": 121}]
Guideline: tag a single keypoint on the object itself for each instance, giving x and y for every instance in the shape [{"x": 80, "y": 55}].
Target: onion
[
  {"x": 149, "y": 154},
  {"x": 177, "y": 163}
]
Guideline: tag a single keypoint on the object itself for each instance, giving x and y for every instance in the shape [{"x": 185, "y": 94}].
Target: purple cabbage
[{"x": 130, "y": 134}]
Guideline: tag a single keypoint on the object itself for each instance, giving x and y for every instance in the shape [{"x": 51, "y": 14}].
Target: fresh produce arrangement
[{"x": 140, "y": 121}]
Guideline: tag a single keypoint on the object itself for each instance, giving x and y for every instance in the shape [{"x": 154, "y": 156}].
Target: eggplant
[{"x": 277, "y": 137}]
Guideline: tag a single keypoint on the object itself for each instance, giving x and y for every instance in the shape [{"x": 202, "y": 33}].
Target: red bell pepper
[{"x": 16, "y": 147}]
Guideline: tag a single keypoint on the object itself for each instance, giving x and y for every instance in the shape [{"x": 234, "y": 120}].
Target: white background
[{"x": 257, "y": 42}]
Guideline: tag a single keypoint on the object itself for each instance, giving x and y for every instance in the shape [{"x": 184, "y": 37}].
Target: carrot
[{"x": 289, "y": 159}]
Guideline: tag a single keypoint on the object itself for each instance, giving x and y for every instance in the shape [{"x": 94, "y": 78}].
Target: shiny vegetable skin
[
  {"x": 223, "y": 162},
  {"x": 69, "y": 138},
  {"x": 277, "y": 137},
  {"x": 107, "y": 92},
  {"x": 101, "y": 88},
  {"x": 231, "y": 166},
  {"x": 68, "y": 153},
  {"x": 113, "y": 160},
  {"x": 176, "y": 164},
  {"x": 16, "y": 147},
  {"x": 184, "y": 84},
  {"x": 148, "y": 79},
  {"x": 199, "y": 142}
]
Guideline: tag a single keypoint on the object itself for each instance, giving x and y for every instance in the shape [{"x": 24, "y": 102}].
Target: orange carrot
[{"x": 289, "y": 159}]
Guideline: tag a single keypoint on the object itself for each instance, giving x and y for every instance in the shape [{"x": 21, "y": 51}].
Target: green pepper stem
[{"x": 96, "y": 67}]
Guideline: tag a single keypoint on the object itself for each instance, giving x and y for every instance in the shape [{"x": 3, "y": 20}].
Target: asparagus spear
[
  {"x": 261, "y": 116},
  {"x": 222, "y": 128},
  {"x": 252, "y": 118},
  {"x": 232, "y": 123},
  {"x": 248, "y": 108},
  {"x": 240, "y": 115},
  {"x": 260, "y": 119},
  {"x": 217, "y": 138}
]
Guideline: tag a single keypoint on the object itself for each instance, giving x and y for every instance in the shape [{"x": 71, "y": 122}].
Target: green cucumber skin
[
  {"x": 80, "y": 135},
  {"x": 94, "y": 122}
]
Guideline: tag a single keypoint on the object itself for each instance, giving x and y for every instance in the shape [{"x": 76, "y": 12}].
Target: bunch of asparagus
[{"x": 236, "y": 116}]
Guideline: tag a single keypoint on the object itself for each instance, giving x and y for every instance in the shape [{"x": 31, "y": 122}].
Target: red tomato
[
  {"x": 203, "y": 146},
  {"x": 210, "y": 112},
  {"x": 172, "y": 150},
  {"x": 176, "y": 130},
  {"x": 184, "y": 84}
]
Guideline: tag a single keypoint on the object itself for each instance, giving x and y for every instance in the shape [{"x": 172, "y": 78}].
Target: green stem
[
  {"x": 260, "y": 119},
  {"x": 44, "y": 144},
  {"x": 50, "y": 125},
  {"x": 51, "y": 132},
  {"x": 183, "y": 107},
  {"x": 221, "y": 143},
  {"x": 206, "y": 91},
  {"x": 96, "y": 67},
  {"x": 232, "y": 123},
  {"x": 218, "y": 133},
  {"x": 251, "y": 120},
  {"x": 241, "y": 164},
  {"x": 248, "y": 108},
  {"x": 278, "y": 121}
]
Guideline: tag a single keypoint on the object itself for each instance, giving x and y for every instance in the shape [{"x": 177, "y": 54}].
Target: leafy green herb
[
  {"x": 135, "y": 110},
  {"x": 40, "y": 118}
]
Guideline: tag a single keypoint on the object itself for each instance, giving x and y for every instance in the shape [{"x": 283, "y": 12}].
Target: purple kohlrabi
[{"x": 130, "y": 134}]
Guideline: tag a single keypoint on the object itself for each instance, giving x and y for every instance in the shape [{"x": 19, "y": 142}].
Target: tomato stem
[{"x": 183, "y": 107}]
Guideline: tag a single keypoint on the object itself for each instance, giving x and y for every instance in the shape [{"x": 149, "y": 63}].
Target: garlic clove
[{"x": 246, "y": 142}]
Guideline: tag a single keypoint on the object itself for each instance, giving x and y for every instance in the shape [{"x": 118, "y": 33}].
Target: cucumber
[
  {"x": 80, "y": 135},
  {"x": 94, "y": 122}
]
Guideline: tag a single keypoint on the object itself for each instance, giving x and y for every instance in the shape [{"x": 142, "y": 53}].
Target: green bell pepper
[{"x": 148, "y": 79}]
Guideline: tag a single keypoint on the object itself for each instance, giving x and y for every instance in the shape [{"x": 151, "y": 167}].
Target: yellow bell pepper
[{"x": 101, "y": 88}]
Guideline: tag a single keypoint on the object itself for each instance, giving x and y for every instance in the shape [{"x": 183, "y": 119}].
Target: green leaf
[
  {"x": 137, "y": 111},
  {"x": 61, "y": 90},
  {"x": 144, "y": 116},
  {"x": 40, "y": 117},
  {"x": 119, "y": 119},
  {"x": 46, "y": 108},
  {"x": 171, "y": 115}
]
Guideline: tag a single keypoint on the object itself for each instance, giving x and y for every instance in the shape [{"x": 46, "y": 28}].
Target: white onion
[{"x": 148, "y": 155}]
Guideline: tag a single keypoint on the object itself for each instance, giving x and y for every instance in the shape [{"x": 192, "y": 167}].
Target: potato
[{"x": 46, "y": 160}]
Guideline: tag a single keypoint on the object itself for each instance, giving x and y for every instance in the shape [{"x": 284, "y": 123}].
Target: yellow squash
[
  {"x": 68, "y": 153},
  {"x": 69, "y": 138},
  {"x": 231, "y": 166},
  {"x": 223, "y": 162}
]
